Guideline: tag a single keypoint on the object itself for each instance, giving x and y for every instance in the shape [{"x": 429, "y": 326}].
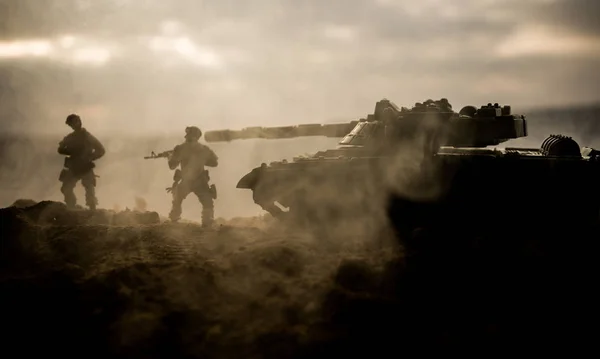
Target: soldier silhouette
[
  {"x": 194, "y": 178},
  {"x": 81, "y": 149}
]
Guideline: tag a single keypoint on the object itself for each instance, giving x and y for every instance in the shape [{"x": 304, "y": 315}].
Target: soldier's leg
[
  {"x": 88, "y": 181},
  {"x": 208, "y": 207},
  {"x": 68, "y": 185},
  {"x": 180, "y": 192}
]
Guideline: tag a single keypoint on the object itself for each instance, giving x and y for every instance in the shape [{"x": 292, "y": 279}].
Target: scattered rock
[{"x": 23, "y": 203}]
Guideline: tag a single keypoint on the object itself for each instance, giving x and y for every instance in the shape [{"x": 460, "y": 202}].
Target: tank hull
[
  {"x": 315, "y": 187},
  {"x": 461, "y": 189}
]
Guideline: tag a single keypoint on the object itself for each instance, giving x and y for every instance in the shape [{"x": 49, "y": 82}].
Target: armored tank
[{"x": 425, "y": 164}]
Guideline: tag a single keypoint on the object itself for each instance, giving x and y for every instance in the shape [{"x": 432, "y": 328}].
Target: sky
[{"x": 145, "y": 66}]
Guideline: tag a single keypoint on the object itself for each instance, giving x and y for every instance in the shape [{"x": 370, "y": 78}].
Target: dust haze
[
  {"x": 139, "y": 71},
  {"x": 31, "y": 168},
  {"x": 30, "y": 164}
]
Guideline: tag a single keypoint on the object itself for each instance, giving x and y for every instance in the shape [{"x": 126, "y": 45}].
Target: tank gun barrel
[{"x": 305, "y": 130}]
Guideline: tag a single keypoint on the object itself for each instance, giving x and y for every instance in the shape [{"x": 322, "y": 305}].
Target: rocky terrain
[
  {"x": 74, "y": 282},
  {"x": 122, "y": 285}
]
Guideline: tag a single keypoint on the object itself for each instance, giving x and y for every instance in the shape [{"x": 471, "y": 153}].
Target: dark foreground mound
[
  {"x": 56, "y": 213},
  {"x": 159, "y": 290},
  {"x": 176, "y": 290}
]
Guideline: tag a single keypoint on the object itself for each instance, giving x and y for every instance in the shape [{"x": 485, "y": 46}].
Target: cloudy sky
[{"x": 156, "y": 65}]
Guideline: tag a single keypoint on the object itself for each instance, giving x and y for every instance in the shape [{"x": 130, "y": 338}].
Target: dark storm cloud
[
  {"x": 295, "y": 57},
  {"x": 285, "y": 17},
  {"x": 35, "y": 18},
  {"x": 578, "y": 15},
  {"x": 31, "y": 18}
]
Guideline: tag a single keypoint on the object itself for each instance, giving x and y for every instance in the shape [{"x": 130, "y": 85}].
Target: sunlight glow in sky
[
  {"x": 186, "y": 49},
  {"x": 529, "y": 40},
  {"x": 25, "y": 48},
  {"x": 537, "y": 40},
  {"x": 65, "y": 49},
  {"x": 77, "y": 50}
]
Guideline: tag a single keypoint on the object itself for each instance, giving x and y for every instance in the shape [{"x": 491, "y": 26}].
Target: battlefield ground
[{"x": 255, "y": 288}]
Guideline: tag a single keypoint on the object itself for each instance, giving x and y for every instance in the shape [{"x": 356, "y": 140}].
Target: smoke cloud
[{"x": 138, "y": 72}]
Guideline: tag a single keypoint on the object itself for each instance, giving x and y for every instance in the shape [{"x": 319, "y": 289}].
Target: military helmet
[
  {"x": 193, "y": 132},
  {"x": 72, "y": 119}
]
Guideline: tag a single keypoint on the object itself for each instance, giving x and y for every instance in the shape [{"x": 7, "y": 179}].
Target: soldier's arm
[
  {"x": 62, "y": 148},
  {"x": 99, "y": 149},
  {"x": 211, "y": 159},
  {"x": 175, "y": 158}
]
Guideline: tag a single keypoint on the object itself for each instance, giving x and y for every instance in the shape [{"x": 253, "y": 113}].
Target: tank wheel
[{"x": 468, "y": 111}]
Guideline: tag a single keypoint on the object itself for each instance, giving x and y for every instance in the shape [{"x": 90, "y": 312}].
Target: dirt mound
[
  {"x": 167, "y": 290},
  {"x": 159, "y": 290},
  {"x": 56, "y": 213},
  {"x": 24, "y": 203}
]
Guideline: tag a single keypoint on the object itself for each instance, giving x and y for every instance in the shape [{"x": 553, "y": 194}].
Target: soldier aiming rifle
[{"x": 192, "y": 156}]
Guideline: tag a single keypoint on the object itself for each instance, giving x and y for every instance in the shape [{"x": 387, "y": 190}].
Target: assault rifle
[
  {"x": 177, "y": 174},
  {"x": 154, "y": 155}
]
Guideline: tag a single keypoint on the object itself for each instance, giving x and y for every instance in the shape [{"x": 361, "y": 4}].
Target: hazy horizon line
[{"x": 122, "y": 132}]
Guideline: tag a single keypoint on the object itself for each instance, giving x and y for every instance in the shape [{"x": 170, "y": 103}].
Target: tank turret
[
  {"x": 485, "y": 126},
  {"x": 471, "y": 127},
  {"x": 327, "y": 130}
]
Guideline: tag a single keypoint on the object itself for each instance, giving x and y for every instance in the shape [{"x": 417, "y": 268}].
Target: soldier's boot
[
  {"x": 179, "y": 196},
  {"x": 208, "y": 217},
  {"x": 88, "y": 181},
  {"x": 206, "y": 199},
  {"x": 175, "y": 213},
  {"x": 90, "y": 198},
  {"x": 69, "y": 195}
]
